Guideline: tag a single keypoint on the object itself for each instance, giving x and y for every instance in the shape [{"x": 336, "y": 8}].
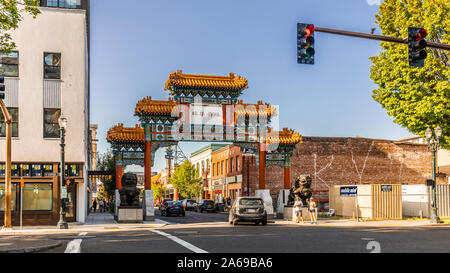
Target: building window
[
  {"x": 9, "y": 64},
  {"x": 52, "y": 66},
  {"x": 51, "y": 124},
  {"x": 37, "y": 197},
  {"x": 13, "y": 196},
  {"x": 70, "y": 4},
  {"x": 36, "y": 170},
  {"x": 47, "y": 169},
  {"x": 231, "y": 165},
  {"x": 213, "y": 168},
  {"x": 26, "y": 171},
  {"x": 237, "y": 163},
  {"x": 14, "y": 113}
]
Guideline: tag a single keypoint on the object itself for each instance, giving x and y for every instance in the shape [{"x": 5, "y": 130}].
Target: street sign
[
  {"x": 63, "y": 192},
  {"x": 386, "y": 188},
  {"x": 349, "y": 191}
]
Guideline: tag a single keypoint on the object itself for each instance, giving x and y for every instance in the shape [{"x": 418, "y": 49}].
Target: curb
[{"x": 32, "y": 249}]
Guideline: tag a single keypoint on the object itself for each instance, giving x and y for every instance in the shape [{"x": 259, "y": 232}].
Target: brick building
[{"x": 347, "y": 161}]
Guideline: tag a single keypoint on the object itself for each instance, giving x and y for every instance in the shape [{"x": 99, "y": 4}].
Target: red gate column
[
  {"x": 287, "y": 178},
  {"x": 148, "y": 165},
  {"x": 262, "y": 167},
  {"x": 119, "y": 174}
]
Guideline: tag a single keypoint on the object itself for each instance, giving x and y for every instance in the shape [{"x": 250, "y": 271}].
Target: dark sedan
[
  {"x": 206, "y": 205},
  {"x": 172, "y": 207}
]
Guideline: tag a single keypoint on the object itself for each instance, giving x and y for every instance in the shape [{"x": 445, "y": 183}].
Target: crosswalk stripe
[
  {"x": 187, "y": 245},
  {"x": 75, "y": 245}
]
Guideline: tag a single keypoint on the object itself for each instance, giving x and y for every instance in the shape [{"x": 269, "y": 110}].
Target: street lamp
[
  {"x": 433, "y": 146},
  {"x": 62, "y": 224}
]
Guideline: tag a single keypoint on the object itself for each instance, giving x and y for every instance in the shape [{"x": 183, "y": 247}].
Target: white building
[
  {"x": 46, "y": 77},
  {"x": 201, "y": 159}
]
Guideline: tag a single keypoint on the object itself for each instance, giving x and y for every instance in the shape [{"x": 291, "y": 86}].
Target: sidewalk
[
  {"x": 382, "y": 223},
  {"x": 26, "y": 240},
  {"x": 94, "y": 221}
]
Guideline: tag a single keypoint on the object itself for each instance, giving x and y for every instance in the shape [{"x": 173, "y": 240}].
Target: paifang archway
[{"x": 204, "y": 109}]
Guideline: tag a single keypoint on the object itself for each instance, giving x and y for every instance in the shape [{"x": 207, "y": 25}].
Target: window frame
[
  {"x": 43, "y": 121},
  {"x": 18, "y": 63},
  {"x": 2, "y": 121},
  {"x": 60, "y": 65}
]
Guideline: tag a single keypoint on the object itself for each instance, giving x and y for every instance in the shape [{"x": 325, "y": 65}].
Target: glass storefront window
[
  {"x": 2, "y": 169},
  {"x": 37, "y": 197},
  {"x": 15, "y": 170},
  {"x": 26, "y": 171},
  {"x": 13, "y": 197},
  {"x": 9, "y": 64},
  {"x": 36, "y": 170},
  {"x": 47, "y": 169}
]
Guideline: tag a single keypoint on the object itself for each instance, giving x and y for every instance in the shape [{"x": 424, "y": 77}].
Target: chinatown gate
[{"x": 203, "y": 109}]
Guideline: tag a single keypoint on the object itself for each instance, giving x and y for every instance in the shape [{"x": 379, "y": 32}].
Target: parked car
[
  {"x": 162, "y": 203},
  {"x": 189, "y": 204},
  {"x": 248, "y": 209},
  {"x": 172, "y": 207},
  {"x": 206, "y": 205}
]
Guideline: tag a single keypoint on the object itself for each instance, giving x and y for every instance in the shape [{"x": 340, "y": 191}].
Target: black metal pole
[{"x": 62, "y": 224}]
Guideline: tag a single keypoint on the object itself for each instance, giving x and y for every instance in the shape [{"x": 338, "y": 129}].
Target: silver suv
[{"x": 248, "y": 209}]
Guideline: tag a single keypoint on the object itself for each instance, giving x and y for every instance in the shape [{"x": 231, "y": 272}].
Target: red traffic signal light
[
  {"x": 416, "y": 46},
  {"x": 305, "y": 43}
]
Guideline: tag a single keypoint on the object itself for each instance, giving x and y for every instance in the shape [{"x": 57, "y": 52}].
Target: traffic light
[
  {"x": 305, "y": 43},
  {"x": 2, "y": 88},
  {"x": 417, "y": 46}
]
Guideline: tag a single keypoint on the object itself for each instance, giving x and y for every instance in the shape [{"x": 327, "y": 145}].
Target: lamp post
[
  {"x": 62, "y": 224},
  {"x": 433, "y": 146}
]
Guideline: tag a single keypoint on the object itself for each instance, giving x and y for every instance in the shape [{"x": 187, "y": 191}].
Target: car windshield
[
  {"x": 174, "y": 203},
  {"x": 251, "y": 202},
  {"x": 208, "y": 202}
]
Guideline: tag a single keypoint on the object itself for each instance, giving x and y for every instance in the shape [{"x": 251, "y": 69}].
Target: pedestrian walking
[
  {"x": 298, "y": 205},
  {"x": 313, "y": 211},
  {"x": 94, "y": 205},
  {"x": 102, "y": 205}
]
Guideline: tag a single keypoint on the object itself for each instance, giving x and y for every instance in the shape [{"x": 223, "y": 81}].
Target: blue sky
[{"x": 137, "y": 44}]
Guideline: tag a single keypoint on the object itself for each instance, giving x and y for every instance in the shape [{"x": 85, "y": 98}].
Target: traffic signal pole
[
  {"x": 378, "y": 37},
  {"x": 7, "y": 221}
]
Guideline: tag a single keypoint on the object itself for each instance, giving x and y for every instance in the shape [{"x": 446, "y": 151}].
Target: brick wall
[{"x": 341, "y": 161}]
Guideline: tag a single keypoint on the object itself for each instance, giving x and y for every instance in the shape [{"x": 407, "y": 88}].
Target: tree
[
  {"x": 157, "y": 190},
  {"x": 10, "y": 16},
  {"x": 417, "y": 98},
  {"x": 105, "y": 162},
  {"x": 186, "y": 180}
]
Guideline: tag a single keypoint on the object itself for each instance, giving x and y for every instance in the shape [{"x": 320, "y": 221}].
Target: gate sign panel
[
  {"x": 386, "y": 188},
  {"x": 349, "y": 191}
]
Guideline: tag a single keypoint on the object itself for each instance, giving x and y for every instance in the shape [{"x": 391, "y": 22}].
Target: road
[{"x": 210, "y": 232}]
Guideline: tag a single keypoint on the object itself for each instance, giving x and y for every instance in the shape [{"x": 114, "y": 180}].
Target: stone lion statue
[
  {"x": 129, "y": 193},
  {"x": 301, "y": 189}
]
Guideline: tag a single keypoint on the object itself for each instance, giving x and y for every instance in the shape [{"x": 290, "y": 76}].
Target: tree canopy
[
  {"x": 105, "y": 162},
  {"x": 417, "y": 98},
  {"x": 186, "y": 180},
  {"x": 10, "y": 15}
]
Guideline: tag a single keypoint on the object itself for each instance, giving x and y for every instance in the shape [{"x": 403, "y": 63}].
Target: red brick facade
[{"x": 344, "y": 161}]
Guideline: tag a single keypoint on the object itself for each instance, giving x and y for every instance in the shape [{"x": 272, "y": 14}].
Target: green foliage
[
  {"x": 186, "y": 180},
  {"x": 157, "y": 191},
  {"x": 417, "y": 98},
  {"x": 105, "y": 162},
  {"x": 10, "y": 15}
]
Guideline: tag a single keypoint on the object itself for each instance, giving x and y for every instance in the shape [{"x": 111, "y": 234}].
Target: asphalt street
[{"x": 210, "y": 232}]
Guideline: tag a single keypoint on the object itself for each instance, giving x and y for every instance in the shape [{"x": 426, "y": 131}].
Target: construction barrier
[{"x": 369, "y": 201}]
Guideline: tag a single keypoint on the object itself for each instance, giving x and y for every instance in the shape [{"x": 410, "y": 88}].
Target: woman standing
[{"x": 313, "y": 211}]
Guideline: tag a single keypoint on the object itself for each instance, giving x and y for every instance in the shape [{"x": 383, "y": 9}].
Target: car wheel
[
  {"x": 183, "y": 214},
  {"x": 256, "y": 223},
  {"x": 264, "y": 222}
]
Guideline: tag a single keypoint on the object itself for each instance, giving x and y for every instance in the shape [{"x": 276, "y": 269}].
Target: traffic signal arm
[{"x": 379, "y": 37}]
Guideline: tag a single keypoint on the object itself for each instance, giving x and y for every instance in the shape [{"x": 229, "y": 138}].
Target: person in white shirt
[{"x": 298, "y": 205}]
